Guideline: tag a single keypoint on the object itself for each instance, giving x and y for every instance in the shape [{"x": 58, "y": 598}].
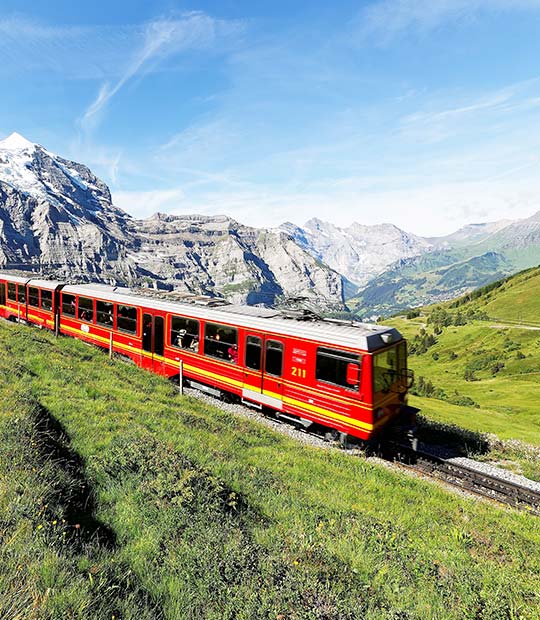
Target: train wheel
[
  {"x": 331, "y": 435},
  {"x": 227, "y": 397}
]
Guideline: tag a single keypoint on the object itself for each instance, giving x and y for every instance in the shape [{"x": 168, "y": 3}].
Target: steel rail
[{"x": 467, "y": 478}]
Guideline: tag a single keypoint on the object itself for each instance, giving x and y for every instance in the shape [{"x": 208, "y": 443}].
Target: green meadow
[
  {"x": 477, "y": 365},
  {"x": 121, "y": 499}
]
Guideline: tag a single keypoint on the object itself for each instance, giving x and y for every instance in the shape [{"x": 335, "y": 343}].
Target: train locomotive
[{"x": 346, "y": 379}]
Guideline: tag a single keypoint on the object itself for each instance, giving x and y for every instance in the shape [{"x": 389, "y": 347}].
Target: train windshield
[{"x": 390, "y": 370}]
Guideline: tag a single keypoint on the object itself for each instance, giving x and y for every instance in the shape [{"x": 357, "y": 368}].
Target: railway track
[
  {"x": 474, "y": 481},
  {"x": 467, "y": 478},
  {"x": 494, "y": 487}
]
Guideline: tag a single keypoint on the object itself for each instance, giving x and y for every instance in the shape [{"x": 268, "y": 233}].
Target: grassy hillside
[
  {"x": 121, "y": 499},
  {"x": 514, "y": 299},
  {"x": 479, "y": 358}
]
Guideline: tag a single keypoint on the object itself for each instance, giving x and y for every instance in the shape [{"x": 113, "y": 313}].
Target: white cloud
[{"x": 433, "y": 209}]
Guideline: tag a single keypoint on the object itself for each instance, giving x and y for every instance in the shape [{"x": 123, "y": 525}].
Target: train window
[
  {"x": 185, "y": 333},
  {"x": 104, "y": 313},
  {"x": 387, "y": 367},
  {"x": 221, "y": 341},
  {"x": 126, "y": 319},
  {"x": 21, "y": 291},
  {"x": 274, "y": 358},
  {"x": 2, "y": 294},
  {"x": 68, "y": 304},
  {"x": 46, "y": 300},
  {"x": 253, "y": 352},
  {"x": 33, "y": 297},
  {"x": 12, "y": 292},
  {"x": 86, "y": 309},
  {"x": 332, "y": 367}
]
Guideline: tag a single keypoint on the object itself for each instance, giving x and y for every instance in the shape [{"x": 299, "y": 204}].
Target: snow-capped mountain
[
  {"x": 55, "y": 212},
  {"x": 56, "y": 215},
  {"x": 358, "y": 252}
]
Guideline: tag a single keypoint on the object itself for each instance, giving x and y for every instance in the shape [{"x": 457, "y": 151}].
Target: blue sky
[{"x": 423, "y": 113}]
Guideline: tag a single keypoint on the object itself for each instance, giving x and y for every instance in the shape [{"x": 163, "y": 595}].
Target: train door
[
  {"x": 21, "y": 300},
  {"x": 153, "y": 340},
  {"x": 159, "y": 335},
  {"x": 273, "y": 368},
  {"x": 253, "y": 365},
  {"x": 263, "y": 371},
  {"x": 2, "y": 294}
]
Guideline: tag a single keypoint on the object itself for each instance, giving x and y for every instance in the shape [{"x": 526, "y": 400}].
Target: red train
[{"x": 350, "y": 379}]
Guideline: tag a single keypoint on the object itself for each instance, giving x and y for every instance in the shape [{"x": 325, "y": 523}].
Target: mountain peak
[{"x": 16, "y": 142}]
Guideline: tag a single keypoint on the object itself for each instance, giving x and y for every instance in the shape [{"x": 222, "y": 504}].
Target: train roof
[
  {"x": 51, "y": 285},
  {"x": 365, "y": 336},
  {"x": 13, "y": 278}
]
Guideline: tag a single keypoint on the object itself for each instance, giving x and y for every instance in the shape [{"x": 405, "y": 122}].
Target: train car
[
  {"x": 30, "y": 300},
  {"x": 13, "y": 296},
  {"x": 352, "y": 379}
]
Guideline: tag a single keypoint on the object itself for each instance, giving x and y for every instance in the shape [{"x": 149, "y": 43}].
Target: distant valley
[{"x": 388, "y": 270}]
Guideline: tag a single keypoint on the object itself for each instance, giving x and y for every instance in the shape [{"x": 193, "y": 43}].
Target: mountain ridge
[{"x": 57, "y": 216}]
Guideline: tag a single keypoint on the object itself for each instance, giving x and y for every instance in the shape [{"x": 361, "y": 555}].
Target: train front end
[{"x": 391, "y": 381}]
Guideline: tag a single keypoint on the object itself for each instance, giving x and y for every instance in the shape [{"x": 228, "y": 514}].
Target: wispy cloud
[
  {"x": 161, "y": 39},
  {"x": 113, "y": 54},
  {"x": 86, "y": 52},
  {"x": 437, "y": 121},
  {"x": 387, "y": 18}
]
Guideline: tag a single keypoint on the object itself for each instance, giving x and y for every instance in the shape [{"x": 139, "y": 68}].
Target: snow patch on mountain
[{"x": 16, "y": 142}]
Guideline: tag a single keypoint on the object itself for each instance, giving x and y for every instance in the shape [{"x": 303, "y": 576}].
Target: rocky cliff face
[
  {"x": 212, "y": 255},
  {"x": 55, "y": 215},
  {"x": 358, "y": 252}
]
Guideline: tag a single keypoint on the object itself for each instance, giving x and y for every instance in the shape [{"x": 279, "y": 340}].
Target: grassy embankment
[
  {"x": 490, "y": 364},
  {"x": 119, "y": 498}
]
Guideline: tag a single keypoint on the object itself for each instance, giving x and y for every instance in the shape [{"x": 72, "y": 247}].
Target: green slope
[
  {"x": 446, "y": 272},
  {"x": 431, "y": 277},
  {"x": 483, "y": 351},
  {"x": 516, "y": 299},
  {"x": 212, "y": 516}
]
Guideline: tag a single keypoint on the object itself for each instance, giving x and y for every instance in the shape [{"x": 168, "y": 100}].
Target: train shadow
[
  {"x": 75, "y": 490},
  {"x": 451, "y": 440}
]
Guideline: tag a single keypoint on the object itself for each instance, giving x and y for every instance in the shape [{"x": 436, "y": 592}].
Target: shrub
[
  {"x": 497, "y": 368},
  {"x": 469, "y": 374},
  {"x": 511, "y": 345}
]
